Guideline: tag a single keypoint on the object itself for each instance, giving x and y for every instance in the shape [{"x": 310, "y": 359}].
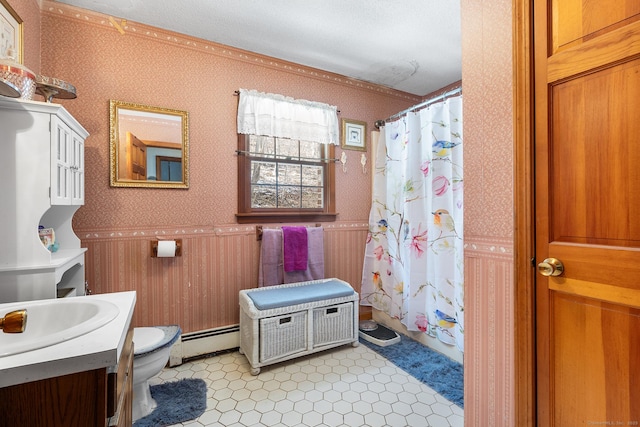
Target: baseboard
[{"x": 194, "y": 344}]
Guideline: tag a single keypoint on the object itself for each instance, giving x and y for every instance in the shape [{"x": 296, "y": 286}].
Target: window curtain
[
  {"x": 413, "y": 266},
  {"x": 274, "y": 115}
]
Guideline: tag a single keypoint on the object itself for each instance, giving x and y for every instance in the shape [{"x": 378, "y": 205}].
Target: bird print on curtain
[{"x": 413, "y": 267}]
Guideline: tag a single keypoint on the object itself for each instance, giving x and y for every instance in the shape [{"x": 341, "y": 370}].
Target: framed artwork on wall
[
  {"x": 10, "y": 33},
  {"x": 354, "y": 135}
]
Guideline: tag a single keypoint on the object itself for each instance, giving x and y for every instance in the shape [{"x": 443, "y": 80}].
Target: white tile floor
[{"x": 345, "y": 386}]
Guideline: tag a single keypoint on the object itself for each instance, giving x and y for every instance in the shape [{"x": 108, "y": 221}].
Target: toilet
[{"x": 151, "y": 350}]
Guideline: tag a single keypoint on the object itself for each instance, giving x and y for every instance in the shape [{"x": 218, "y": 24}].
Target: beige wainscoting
[
  {"x": 489, "y": 332},
  {"x": 199, "y": 290}
]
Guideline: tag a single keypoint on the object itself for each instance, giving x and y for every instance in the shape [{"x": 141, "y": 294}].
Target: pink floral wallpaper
[
  {"x": 199, "y": 290},
  {"x": 487, "y": 77},
  {"x": 155, "y": 67}
]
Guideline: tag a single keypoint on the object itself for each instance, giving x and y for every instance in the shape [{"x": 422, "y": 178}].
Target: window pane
[
  {"x": 263, "y": 196},
  {"x": 289, "y": 197},
  {"x": 311, "y": 150},
  {"x": 312, "y": 198},
  {"x": 312, "y": 176},
  {"x": 289, "y": 174},
  {"x": 264, "y": 146},
  {"x": 287, "y": 148},
  {"x": 285, "y": 175},
  {"x": 263, "y": 172}
]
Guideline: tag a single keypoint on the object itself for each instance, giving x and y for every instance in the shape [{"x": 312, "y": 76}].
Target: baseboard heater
[{"x": 196, "y": 344}]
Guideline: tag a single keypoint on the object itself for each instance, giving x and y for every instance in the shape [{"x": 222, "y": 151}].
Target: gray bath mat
[{"x": 178, "y": 401}]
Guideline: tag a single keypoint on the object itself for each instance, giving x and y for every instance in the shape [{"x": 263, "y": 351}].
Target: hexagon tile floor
[{"x": 344, "y": 386}]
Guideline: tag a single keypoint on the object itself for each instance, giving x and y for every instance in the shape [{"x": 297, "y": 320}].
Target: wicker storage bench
[{"x": 281, "y": 322}]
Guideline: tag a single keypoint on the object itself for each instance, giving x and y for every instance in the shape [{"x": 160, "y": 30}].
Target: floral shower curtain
[{"x": 413, "y": 266}]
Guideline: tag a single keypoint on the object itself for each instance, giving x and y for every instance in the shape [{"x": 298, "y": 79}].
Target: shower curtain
[{"x": 413, "y": 266}]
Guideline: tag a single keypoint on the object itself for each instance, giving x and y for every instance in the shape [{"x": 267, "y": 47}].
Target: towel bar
[{"x": 259, "y": 231}]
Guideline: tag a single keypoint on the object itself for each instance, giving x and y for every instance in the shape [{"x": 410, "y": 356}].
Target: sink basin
[{"x": 53, "y": 321}]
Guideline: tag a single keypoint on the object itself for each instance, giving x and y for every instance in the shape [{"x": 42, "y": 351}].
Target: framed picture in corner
[
  {"x": 10, "y": 33},
  {"x": 354, "y": 135}
]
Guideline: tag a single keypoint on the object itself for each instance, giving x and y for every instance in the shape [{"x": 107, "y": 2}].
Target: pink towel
[{"x": 295, "y": 249}]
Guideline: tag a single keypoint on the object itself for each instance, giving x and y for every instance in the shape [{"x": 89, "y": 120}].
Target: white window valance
[{"x": 284, "y": 117}]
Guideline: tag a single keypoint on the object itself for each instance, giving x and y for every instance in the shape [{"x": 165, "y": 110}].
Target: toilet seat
[
  {"x": 149, "y": 339},
  {"x": 146, "y": 339}
]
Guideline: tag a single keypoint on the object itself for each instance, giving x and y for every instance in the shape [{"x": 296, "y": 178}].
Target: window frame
[{"x": 246, "y": 214}]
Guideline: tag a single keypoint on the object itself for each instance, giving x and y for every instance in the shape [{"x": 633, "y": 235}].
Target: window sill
[{"x": 271, "y": 217}]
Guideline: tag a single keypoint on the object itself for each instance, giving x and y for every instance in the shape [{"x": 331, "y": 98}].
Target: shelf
[
  {"x": 66, "y": 292},
  {"x": 61, "y": 258}
]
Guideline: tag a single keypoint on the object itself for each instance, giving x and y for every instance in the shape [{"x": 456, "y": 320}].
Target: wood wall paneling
[
  {"x": 489, "y": 345},
  {"x": 199, "y": 290}
]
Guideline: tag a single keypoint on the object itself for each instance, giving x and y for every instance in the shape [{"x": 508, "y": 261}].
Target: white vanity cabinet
[{"x": 41, "y": 183}]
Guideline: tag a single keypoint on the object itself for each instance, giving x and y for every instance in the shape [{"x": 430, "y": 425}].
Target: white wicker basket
[
  {"x": 283, "y": 335},
  {"x": 333, "y": 324}
]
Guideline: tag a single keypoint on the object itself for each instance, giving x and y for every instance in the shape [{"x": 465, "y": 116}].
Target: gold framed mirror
[{"x": 149, "y": 146}]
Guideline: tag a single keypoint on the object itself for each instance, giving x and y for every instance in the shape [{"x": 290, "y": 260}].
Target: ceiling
[{"x": 409, "y": 45}]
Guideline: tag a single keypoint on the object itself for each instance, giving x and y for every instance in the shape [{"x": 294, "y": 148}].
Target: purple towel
[
  {"x": 270, "y": 270},
  {"x": 295, "y": 248},
  {"x": 316, "y": 259}
]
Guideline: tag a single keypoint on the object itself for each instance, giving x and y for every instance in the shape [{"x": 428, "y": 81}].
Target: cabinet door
[
  {"x": 67, "y": 165},
  {"x": 61, "y": 147},
  {"x": 77, "y": 169}
]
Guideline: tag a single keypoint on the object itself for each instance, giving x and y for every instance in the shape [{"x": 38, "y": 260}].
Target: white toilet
[{"x": 151, "y": 349}]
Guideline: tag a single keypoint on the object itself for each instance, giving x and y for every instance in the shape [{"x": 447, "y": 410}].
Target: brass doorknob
[{"x": 551, "y": 267}]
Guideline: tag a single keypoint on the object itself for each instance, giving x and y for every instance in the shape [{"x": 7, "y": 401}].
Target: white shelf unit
[{"x": 41, "y": 183}]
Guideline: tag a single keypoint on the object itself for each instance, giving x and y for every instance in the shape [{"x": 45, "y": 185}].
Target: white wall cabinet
[
  {"x": 67, "y": 164},
  {"x": 41, "y": 183}
]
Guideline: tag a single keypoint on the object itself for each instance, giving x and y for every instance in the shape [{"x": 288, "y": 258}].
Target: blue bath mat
[
  {"x": 178, "y": 401},
  {"x": 434, "y": 369}
]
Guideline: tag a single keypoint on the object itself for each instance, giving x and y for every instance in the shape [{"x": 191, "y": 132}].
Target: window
[
  {"x": 284, "y": 180},
  {"x": 285, "y": 155}
]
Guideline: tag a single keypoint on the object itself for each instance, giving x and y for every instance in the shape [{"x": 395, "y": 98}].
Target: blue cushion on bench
[{"x": 266, "y": 299}]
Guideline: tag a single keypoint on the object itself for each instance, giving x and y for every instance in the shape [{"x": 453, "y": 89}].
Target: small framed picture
[
  {"x": 10, "y": 33},
  {"x": 354, "y": 135}
]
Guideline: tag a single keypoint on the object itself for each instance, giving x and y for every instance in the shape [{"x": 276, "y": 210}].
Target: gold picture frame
[
  {"x": 354, "y": 135},
  {"x": 149, "y": 146},
  {"x": 11, "y": 32}
]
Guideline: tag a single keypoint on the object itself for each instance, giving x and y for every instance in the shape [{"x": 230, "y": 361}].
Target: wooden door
[
  {"x": 137, "y": 161},
  {"x": 587, "y": 142}
]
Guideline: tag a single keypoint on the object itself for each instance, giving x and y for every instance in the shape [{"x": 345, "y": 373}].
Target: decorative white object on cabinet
[{"x": 41, "y": 183}]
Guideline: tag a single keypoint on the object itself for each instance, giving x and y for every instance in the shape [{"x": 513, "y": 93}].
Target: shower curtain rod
[{"x": 380, "y": 123}]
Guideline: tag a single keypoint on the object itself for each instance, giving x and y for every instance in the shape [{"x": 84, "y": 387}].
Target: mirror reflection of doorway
[
  {"x": 139, "y": 135},
  {"x": 169, "y": 168},
  {"x": 136, "y": 159}
]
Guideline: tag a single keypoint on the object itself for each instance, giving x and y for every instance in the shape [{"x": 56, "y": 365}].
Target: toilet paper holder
[{"x": 154, "y": 247}]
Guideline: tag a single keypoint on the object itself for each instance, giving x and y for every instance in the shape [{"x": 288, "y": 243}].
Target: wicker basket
[
  {"x": 333, "y": 324},
  {"x": 283, "y": 335}
]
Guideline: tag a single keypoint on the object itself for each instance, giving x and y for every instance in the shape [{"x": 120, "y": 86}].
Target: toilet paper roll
[{"x": 166, "y": 248}]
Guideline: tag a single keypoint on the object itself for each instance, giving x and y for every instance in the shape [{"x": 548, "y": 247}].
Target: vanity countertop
[{"x": 97, "y": 349}]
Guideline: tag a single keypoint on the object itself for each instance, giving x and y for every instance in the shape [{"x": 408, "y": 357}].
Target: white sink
[{"x": 53, "y": 321}]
